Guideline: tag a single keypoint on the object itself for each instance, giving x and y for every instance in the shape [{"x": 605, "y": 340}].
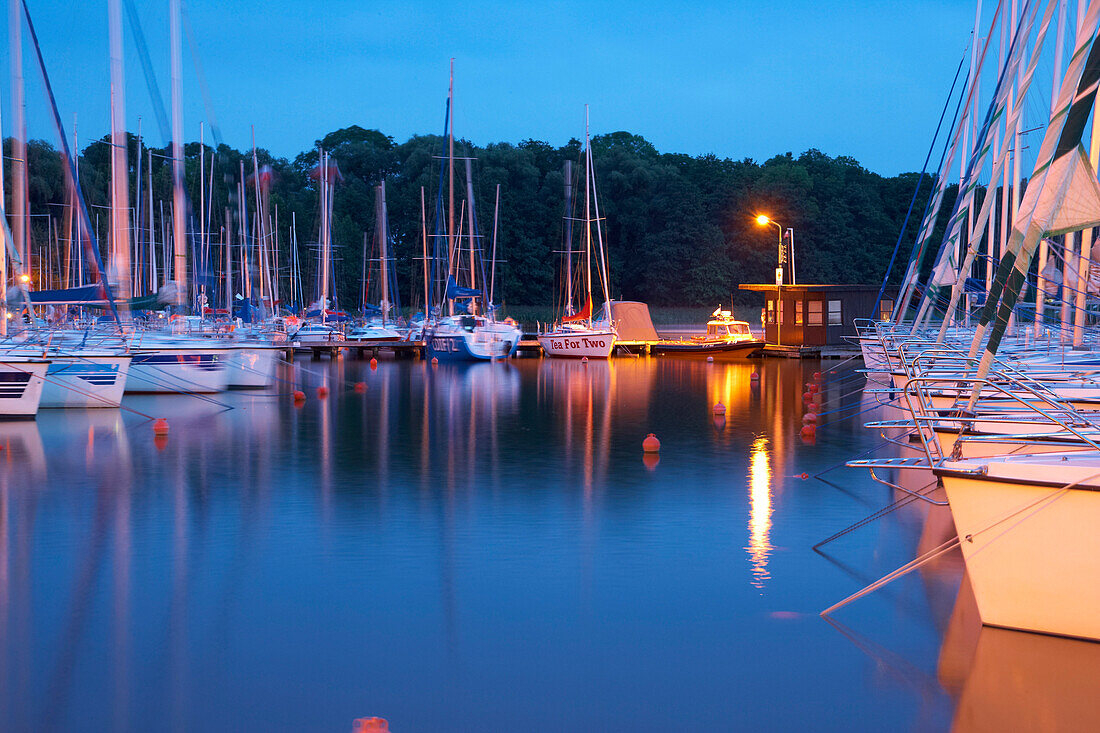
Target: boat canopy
[
  {"x": 84, "y": 294},
  {"x": 631, "y": 320}
]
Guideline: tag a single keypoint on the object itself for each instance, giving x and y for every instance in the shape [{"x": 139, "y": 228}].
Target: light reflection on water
[
  {"x": 475, "y": 547},
  {"x": 760, "y": 511}
]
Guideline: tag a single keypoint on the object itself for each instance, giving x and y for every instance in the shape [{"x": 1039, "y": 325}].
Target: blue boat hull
[{"x": 454, "y": 348}]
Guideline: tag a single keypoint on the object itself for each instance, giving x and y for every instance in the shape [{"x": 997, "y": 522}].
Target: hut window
[
  {"x": 771, "y": 311},
  {"x": 885, "y": 308},
  {"x": 813, "y": 312},
  {"x": 798, "y": 313},
  {"x": 835, "y": 313}
]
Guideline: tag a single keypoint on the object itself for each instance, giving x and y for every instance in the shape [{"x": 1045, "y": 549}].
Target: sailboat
[
  {"x": 321, "y": 328},
  {"x": 1019, "y": 465},
  {"x": 380, "y": 324},
  {"x": 577, "y": 334},
  {"x": 470, "y": 331}
]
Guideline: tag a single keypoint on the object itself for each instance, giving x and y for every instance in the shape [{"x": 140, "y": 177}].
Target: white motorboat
[
  {"x": 318, "y": 334},
  {"x": 374, "y": 333}
]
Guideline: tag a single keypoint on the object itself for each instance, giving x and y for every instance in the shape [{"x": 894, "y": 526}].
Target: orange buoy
[
  {"x": 807, "y": 396},
  {"x": 160, "y": 441},
  {"x": 160, "y": 426},
  {"x": 650, "y": 461},
  {"x": 322, "y": 392},
  {"x": 299, "y": 396},
  {"x": 719, "y": 409},
  {"x": 710, "y": 359},
  {"x": 817, "y": 376},
  {"x": 584, "y": 360},
  {"x": 814, "y": 388},
  {"x": 360, "y": 387},
  {"x": 808, "y": 432},
  {"x": 373, "y": 363},
  {"x": 651, "y": 444},
  {"x": 434, "y": 361},
  {"x": 370, "y": 725},
  {"x": 810, "y": 417},
  {"x": 755, "y": 376}
]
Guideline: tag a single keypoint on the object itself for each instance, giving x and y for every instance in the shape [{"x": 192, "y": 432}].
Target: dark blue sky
[{"x": 738, "y": 79}]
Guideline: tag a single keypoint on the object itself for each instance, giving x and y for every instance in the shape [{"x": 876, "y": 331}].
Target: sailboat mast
[
  {"x": 363, "y": 273},
  {"x": 260, "y": 259},
  {"x": 202, "y": 213},
  {"x": 152, "y": 230},
  {"x": 3, "y": 256},
  {"x": 227, "y": 240},
  {"x": 472, "y": 226},
  {"x": 424, "y": 253},
  {"x": 324, "y": 234},
  {"x": 136, "y": 249},
  {"x": 19, "y": 131},
  {"x": 587, "y": 215},
  {"x": 450, "y": 179},
  {"x": 569, "y": 238},
  {"x": 384, "y": 234},
  {"x": 493, "y": 267},
  {"x": 179, "y": 218},
  {"x": 120, "y": 166}
]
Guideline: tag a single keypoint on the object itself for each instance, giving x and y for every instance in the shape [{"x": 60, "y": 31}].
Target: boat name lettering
[
  {"x": 444, "y": 344},
  {"x": 583, "y": 342}
]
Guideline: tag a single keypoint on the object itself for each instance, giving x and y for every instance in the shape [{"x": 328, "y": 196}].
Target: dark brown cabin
[{"x": 817, "y": 315}]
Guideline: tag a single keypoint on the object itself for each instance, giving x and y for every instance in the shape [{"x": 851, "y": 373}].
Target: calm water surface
[{"x": 483, "y": 548}]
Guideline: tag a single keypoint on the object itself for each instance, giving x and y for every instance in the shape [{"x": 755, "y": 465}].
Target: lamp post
[{"x": 764, "y": 220}]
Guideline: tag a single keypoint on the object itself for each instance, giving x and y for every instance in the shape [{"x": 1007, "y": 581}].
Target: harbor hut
[{"x": 817, "y": 316}]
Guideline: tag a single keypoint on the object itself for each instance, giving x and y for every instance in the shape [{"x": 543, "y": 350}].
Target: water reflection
[
  {"x": 415, "y": 548},
  {"x": 1023, "y": 681},
  {"x": 760, "y": 511}
]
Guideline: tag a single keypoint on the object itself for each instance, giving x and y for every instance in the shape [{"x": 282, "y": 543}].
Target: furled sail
[
  {"x": 1063, "y": 179},
  {"x": 582, "y": 315}
]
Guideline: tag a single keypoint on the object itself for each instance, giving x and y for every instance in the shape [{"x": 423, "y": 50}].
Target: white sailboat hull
[
  {"x": 252, "y": 367},
  {"x": 1032, "y": 548},
  {"x": 578, "y": 344},
  {"x": 179, "y": 371},
  {"x": 21, "y": 385},
  {"x": 85, "y": 381}
]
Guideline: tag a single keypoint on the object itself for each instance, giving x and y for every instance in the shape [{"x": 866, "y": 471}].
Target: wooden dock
[{"x": 400, "y": 349}]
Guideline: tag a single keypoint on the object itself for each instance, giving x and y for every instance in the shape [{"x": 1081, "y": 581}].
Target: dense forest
[{"x": 679, "y": 229}]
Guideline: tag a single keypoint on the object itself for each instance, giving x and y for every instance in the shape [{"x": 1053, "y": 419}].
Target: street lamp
[{"x": 764, "y": 220}]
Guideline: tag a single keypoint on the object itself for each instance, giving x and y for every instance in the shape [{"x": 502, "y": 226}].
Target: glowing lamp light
[
  {"x": 9, "y": 316},
  {"x": 763, "y": 220},
  {"x": 24, "y": 278}
]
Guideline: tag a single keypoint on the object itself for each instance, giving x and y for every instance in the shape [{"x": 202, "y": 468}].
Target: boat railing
[{"x": 1029, "y": 400}]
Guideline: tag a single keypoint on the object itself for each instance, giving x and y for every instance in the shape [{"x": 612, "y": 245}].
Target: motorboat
[{"x": 724, "y": 334}]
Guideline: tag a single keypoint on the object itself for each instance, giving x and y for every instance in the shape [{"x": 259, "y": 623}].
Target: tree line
[{"x": 679, "y": 229}]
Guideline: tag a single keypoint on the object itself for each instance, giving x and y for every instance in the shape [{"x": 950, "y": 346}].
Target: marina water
[{"x": 483, "y": 548}]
